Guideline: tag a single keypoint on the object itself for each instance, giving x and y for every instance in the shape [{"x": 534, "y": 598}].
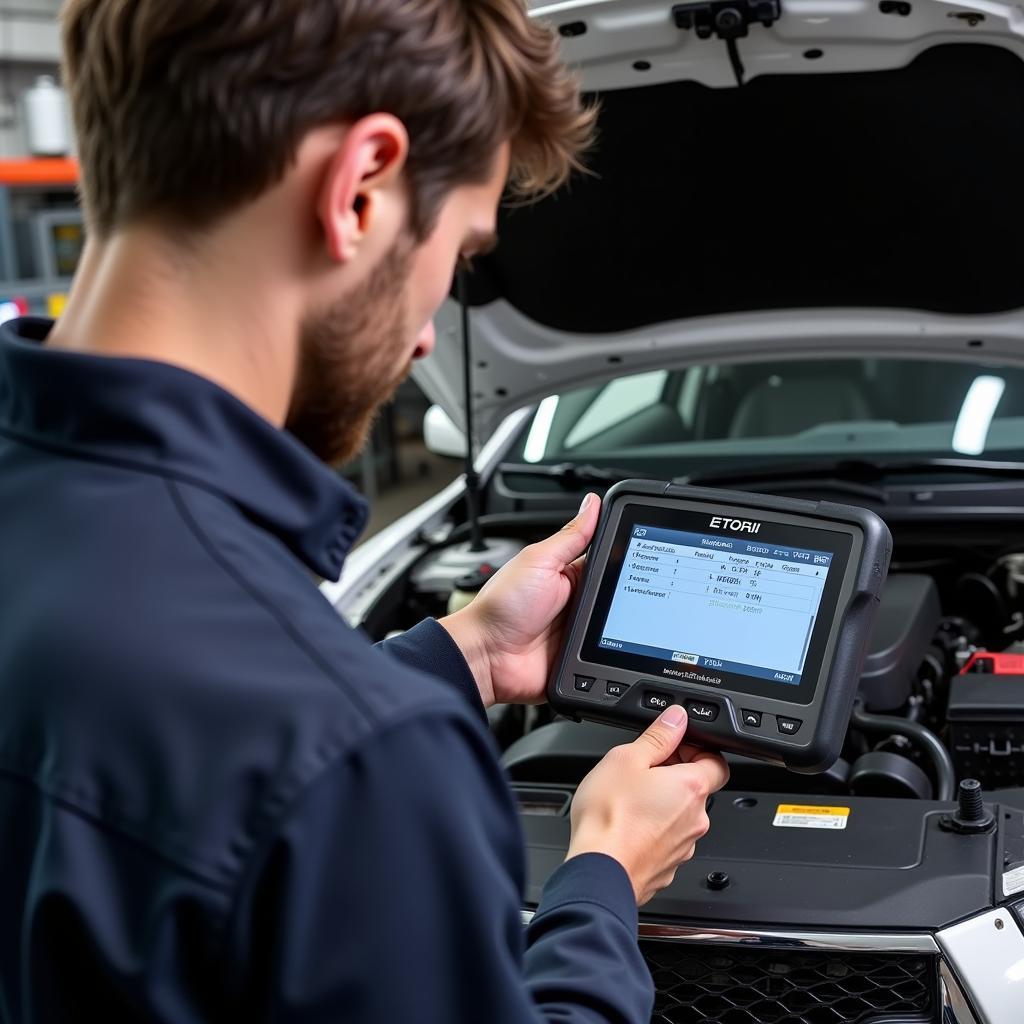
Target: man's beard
[{"x": 352, "y": 360}]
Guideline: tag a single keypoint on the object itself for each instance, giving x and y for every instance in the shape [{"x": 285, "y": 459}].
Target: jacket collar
[{"x": 168, "y": 421}]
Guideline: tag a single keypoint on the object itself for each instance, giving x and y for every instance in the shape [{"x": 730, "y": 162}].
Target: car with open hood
[{"x": 793, "y": 267}]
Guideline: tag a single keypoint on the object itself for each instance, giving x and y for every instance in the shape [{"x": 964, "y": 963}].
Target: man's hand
[
  {"x": 511, "y": 633},
  {"x": 644, "y": 804}
]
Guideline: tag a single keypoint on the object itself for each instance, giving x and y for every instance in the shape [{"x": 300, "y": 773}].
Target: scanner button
[
  {"x": 654, "y": 701},
  {"x": 752, "y": 718},
  {"x": 585, "y": 683},
  {"x": 701, "y": 710},
  {"x": 789, "y": 726},
  {"x": 615, "y": 689}
]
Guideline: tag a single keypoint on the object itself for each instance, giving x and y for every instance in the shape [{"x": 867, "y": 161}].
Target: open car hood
[{"x": 855, "y": 195}]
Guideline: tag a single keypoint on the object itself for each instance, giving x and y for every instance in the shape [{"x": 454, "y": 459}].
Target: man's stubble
[{"x": 352, "y": 360}]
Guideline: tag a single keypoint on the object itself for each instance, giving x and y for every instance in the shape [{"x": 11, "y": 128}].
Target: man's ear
[{"x": 358, "y": 193}]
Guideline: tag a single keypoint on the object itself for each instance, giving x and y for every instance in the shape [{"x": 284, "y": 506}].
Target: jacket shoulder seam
[
  {"x": 452, "y": 710},
  {"x": 255, "y": 594},
  {"x": 83, "y": 807}
]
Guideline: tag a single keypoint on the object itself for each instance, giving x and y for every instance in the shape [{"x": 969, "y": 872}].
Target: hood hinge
[{"x": 729, "y": 20}]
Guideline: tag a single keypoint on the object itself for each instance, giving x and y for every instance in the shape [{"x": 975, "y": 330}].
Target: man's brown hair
[{"x": 187, "y": 109}]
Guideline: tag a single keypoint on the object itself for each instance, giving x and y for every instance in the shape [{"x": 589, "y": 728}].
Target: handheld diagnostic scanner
[{"x": 753, "y": 612}]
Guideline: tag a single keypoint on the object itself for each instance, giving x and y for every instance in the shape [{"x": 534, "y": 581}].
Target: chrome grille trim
[
  {"x": 845, "y": 942},
  {"x": 955, "y": 1008}
]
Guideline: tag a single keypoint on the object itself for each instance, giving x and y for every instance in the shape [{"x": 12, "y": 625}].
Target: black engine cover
[
  {"x": 908, "y": 617},
  {"x": 891, "y": 868}
]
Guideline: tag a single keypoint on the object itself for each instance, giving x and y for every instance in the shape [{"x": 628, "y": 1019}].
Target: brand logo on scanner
[{"x": 736, "y": 525}]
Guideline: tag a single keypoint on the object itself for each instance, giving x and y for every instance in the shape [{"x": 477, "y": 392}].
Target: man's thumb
[
  {"x": 663, "y": 736},
  {"x": 573, "y": 539}
]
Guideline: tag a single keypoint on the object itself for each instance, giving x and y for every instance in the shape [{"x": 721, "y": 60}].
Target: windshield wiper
[
  {"x": 852, "y": 472},
  {"x": 568, "y": 474},
  {"x": 849, "y": 476}
]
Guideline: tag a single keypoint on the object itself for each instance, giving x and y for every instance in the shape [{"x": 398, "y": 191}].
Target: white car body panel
[
  {"x": 526, "y": 361},
  {"x": 376, "y": 564},
  {"x": 987, "y": 954},
  {"x": 852, "y": 35}
]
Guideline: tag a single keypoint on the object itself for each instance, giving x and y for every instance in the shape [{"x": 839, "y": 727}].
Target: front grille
[{"x": 726, "y": 985}]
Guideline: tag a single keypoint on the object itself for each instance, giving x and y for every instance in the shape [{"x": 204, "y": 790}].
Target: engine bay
[
  {"x": 870, "y": 843},
  {"x": 944, "y": 671}
]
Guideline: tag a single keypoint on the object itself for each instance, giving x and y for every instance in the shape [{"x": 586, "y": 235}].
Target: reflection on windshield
[
  {"x": 977, "y": 413},
  {"x": 826, "y": 407}
]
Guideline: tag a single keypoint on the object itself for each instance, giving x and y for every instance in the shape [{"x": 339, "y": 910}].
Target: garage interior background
[{"x": 41, "y": 237}]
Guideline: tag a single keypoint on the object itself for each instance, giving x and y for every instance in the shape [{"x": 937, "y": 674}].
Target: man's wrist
[
  {"x": 470, "y": 639},
  {"x": 580, "y": 846}
]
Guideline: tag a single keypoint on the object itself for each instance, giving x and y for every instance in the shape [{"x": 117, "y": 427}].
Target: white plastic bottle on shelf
[{"x": 46, "y": 119}]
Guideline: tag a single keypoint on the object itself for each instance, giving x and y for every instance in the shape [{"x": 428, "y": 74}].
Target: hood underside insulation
[{"x": 897, "y": 189}]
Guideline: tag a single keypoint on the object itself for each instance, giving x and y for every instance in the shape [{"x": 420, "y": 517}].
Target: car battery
[{"x": 986, "y": 720}]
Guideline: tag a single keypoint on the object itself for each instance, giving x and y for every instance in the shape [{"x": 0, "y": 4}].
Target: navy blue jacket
[{"x": 218, "y": 802}]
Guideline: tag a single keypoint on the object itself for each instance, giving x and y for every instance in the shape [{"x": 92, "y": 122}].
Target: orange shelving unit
[
  {"x": 42, "y": 177},
  {"x": 38, "y": 172}
]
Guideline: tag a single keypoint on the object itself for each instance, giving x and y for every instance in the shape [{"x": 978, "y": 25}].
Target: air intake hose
[{"x": 945, "y": 776}]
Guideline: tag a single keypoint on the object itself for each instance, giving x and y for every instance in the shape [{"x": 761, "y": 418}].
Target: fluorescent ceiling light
[
  {"x": 975, "y": 419},
  {"x": 537, "y": 439}
]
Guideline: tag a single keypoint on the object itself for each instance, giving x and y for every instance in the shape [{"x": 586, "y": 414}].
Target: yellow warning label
[
  {"x": 800, "y": 809},
  {"x": 804, "y": 816}
]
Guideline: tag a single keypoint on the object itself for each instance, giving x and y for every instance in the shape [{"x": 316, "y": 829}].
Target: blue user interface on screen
[{"x": 705, "y": 601}]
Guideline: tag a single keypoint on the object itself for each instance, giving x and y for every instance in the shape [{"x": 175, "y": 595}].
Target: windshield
[{"x": 714, "y": 416}]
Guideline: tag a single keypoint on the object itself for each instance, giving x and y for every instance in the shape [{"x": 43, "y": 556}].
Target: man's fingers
[
  {"x": 572, "y": 540},
  {"x": 687, "y": 752},
  {"x": 662, "y": 737},
  {"x": 574, "y": 571},
  {"x": 710, "y": 768}
]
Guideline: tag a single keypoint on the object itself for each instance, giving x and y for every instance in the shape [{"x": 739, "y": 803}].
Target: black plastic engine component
[
  {"x": 858, "y": 863},
  {"x": 923, "y": 738},
  {"x": 982, "y": 599},
  {"x": 972, "y": 817},
  {"x": 908, "y": 619},
  {"x": 881, "y": 773},
  {"x": 563, "y": 752},
  {"x": 986, "y": 717}
]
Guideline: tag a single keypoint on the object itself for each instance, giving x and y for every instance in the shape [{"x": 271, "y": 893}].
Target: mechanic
[{"x": 218, "y": 802}]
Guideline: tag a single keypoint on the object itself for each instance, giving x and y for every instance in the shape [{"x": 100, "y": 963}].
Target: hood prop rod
[
  {"x": 476, "y": 538},
  {"x": 736, "y": 61}
]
